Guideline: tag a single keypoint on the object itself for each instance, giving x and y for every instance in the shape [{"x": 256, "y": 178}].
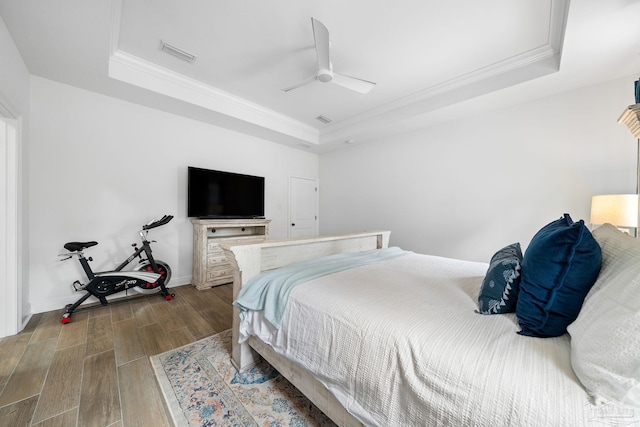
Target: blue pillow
[
  {"x": 499, "y": 291},
  {"x": 559, "y": 267}
]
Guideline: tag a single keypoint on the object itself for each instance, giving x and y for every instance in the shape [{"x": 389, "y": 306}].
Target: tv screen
[{"x": 218, "y": 194}]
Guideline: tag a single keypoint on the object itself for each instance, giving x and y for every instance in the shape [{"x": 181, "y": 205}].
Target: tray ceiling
[{"x": 424, "y": 56}]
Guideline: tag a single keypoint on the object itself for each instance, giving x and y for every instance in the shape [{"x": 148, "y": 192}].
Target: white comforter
[{"x": 399, "y": 344}]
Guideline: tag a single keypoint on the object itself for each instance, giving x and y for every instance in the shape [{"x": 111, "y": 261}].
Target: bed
[{"x": 401, "y": 342}]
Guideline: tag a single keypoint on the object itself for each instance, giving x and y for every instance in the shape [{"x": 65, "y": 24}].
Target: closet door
[{"x": 303, "y": 207}]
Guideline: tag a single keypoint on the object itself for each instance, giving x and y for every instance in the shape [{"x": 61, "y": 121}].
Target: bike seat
[{"x": 78, "y": 246}]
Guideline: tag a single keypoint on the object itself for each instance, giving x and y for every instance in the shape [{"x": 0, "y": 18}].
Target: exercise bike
[{"x": 148, "y": 275}]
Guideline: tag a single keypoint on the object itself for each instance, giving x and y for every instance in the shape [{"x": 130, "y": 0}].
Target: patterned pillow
[
  {"x": 605, "y": 338},
  {"x": 559, "y": 267},
  {"x": 500, "y": 287}
]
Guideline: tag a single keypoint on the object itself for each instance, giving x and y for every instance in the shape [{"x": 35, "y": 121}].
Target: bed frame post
[
  {"x": 383, "y": 239},
  {"x": 242, "y": 355}
]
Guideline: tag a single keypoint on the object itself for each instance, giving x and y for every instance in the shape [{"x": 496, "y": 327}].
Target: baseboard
[{"x": 25, "y": 321}]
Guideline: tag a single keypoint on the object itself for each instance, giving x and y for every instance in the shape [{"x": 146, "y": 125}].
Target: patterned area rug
[{"x": 202, "y": 388}]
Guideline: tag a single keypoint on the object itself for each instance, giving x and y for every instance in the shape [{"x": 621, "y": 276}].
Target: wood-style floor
[{"x": 95, "y": 371}]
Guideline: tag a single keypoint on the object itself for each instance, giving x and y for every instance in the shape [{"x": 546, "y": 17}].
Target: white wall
[
  {"x": 459, "y": 189},
  {"x": 14, "y": 76},
  {"x": 467, "y": 188},
  {"x": 102, "y": 167},
  {"x": 14, "y": 104}
]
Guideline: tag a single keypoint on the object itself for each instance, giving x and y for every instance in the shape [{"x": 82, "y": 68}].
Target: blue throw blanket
[{"x": 270, "y": 291}]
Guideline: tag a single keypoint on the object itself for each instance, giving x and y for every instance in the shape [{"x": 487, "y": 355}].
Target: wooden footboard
[{"x": 251, "y": 259}]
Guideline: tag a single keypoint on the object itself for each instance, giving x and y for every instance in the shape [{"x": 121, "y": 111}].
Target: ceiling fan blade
[
  {"x": 302, "y": 83},
  {"x": 321, "y": 38},
  {"x": 353, "y": 83}
]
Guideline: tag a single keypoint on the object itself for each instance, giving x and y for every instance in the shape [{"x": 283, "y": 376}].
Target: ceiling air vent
[
  {"x": 177, "y": 52},
  {"x": 324, "y": 119}
]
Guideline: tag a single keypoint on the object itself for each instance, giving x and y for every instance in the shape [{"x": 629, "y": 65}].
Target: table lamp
[{"x": 620, "y": 210}]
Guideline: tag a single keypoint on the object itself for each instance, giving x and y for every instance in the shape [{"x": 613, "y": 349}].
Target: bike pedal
[{"x": 78, "y": 286}]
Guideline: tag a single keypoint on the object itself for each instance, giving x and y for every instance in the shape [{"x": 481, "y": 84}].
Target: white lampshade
[{"x": 620, "y": 210}]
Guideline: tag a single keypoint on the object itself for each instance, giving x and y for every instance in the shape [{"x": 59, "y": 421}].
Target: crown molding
[
  {"x": 144, "y": 74},
  {"x": 518, "y": 69},
  {"x": 533, "y": 63},
  {"x": 139, "y": 72}
]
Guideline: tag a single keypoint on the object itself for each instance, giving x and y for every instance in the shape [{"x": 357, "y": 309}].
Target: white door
[{"x": 303, "y": 207}]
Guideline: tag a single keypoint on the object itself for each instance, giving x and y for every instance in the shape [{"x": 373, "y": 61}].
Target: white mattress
[{"x": 399, "y": 343}]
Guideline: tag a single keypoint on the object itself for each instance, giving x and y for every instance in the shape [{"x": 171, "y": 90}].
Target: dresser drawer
[
  {"x": 216, "y": 260},
  {"x": 220, "y": 273}
]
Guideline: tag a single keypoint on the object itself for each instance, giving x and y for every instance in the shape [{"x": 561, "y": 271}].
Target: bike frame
[{"x": 146, "y": 248}]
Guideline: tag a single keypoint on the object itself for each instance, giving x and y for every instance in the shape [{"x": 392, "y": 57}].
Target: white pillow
[{"x": 605, "y": 338}]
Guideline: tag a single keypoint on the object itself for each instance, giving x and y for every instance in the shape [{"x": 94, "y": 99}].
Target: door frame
[
  {"x": 289, "y": 215},
  {"x": 11, "y": 222}
]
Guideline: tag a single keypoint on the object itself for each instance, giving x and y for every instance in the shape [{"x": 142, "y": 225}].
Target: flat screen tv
[{"x": 217, "y": 194}]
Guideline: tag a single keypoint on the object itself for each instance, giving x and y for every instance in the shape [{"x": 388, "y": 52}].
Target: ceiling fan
[{"x": 325, "y": 72}]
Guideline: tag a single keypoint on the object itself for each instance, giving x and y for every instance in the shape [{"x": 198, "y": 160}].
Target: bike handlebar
[{"x": 157, "y": 223}]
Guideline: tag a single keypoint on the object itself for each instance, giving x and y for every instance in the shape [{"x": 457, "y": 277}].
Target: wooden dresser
[{"x": 210, "y": 266}]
